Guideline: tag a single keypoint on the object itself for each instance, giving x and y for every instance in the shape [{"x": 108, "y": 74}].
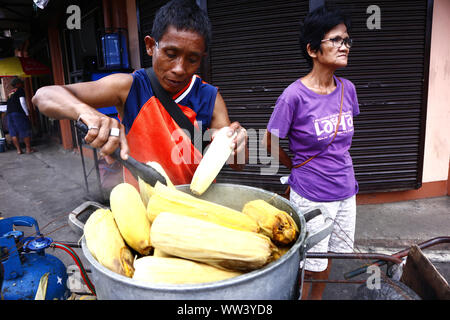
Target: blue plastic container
[
  {"x": 2, "y": 144},
  {"x": 113, "y": 44}
]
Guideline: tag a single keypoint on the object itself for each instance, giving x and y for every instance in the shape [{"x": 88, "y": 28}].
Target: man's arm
[
  {"x": 80, "y": 101},
  {"x": 23, "y": 104},
  {"x": 219, "y": 120}
]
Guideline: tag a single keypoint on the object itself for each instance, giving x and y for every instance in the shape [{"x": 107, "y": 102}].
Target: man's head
[
  {"x": 183, "y": 15},
  {"x": 181, "y": 33},
  {"x": 17, "y": 82}
]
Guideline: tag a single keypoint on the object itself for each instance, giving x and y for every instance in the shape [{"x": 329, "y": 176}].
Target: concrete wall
[{"x": 437, "y": 140}]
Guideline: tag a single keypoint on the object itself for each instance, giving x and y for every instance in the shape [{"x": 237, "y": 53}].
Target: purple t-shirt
[{"x": 309, "y": 121}]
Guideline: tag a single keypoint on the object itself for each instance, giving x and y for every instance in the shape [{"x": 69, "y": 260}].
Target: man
[
  {"x": 17, "y": 115},
  {"x": 180, "y": 39}
]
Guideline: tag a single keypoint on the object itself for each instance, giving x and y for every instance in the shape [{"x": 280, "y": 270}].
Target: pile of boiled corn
[{"x": 162, "y": 235}]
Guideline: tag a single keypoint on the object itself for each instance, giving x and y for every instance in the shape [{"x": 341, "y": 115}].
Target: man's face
[{"x": 176, "y": 57}]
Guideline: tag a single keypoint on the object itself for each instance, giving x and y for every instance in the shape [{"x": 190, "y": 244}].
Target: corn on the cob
[
  {"x": 177, "y": 271},
  {"x": 278, "y": 225},
  {"x": 131, "y": 217},
  {"x": 281, "y": 251},
  {"x": 147, "y": 190},
  {"x": 175, "y": 201},
  {"x": 212, "y": 162},
  {"x": 160, "y": 253},
  {"x": 105, "y": 243},
  {"x": 211, "y": 243}
]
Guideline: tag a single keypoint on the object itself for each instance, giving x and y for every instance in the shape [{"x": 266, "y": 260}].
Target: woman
[
  {"x": 19, "y": 125},
  {"x": 316, "y": 114}
]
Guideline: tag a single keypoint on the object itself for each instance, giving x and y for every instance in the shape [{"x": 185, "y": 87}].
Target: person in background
[
  {"x": 180, "y": 39},
  {"x": 17, "y": 114},
  {"x": 316, "y": 114}
]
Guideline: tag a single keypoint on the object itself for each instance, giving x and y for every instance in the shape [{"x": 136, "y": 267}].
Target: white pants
[{"x": 343, "y": 214}]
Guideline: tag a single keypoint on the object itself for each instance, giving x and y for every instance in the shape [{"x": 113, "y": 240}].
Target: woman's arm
[{"x": 277, "y": 153}]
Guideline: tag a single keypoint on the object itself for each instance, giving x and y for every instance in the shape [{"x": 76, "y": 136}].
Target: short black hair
[
  {"x": 316, "y": 24},
  {"x": 183, "y": 15},
  {"x": 16, "y": 81}
]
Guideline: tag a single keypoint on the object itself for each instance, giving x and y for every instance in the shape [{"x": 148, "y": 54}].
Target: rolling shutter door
[
  {"x": 255, "y": 55},
  {"x": 389, "y": 69},
  {"x": 146, "y": 13}
]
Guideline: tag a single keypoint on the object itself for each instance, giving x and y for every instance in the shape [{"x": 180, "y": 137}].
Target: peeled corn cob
[
  {"x": 147, "y": 190},
  {"x": 278, "y": 225},
  {"x": 211, "y": 243},
  {"x": 105, "y": 243},
  {"x": 177, "y": 271},
  {"x": 212, "y": 162},
  {"x": 131, "y": 217},
  {"x": 175, "y": 201}
]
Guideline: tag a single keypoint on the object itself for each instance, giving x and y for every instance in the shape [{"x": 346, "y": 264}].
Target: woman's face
[{"x": 334, "y": 52}]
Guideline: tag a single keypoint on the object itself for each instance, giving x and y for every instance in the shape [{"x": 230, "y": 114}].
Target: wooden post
[{"x": 58, "y": 79}]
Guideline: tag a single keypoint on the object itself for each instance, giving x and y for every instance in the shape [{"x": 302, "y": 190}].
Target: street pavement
[{"x": 49, "y": 184}]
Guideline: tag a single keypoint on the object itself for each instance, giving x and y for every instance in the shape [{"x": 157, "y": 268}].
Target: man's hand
[
  {"x": 105, "y": 134},
  {"x": 240, "y": 142},
  {"x": 239, "y": 145}
]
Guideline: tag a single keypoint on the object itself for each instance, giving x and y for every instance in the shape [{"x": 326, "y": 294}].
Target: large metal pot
[{"x": 276, "y": 281}]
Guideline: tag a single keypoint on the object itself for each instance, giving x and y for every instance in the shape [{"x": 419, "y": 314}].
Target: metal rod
[
  {"x": 336, "y": 281},
  {"x": 385, "y": 257},
  {"x": 80, "y": 145},
  {"x": 400, "y": 254}
]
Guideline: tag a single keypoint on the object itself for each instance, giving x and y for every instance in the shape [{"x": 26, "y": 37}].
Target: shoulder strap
[
  {"x": 335, "y": 131},
  {"x": 174, "y": 110}
]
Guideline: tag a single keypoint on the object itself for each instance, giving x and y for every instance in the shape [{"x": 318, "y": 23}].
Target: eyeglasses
[{"x": 338, "y": 42}]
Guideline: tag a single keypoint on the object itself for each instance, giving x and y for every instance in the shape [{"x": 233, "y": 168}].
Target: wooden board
[{"x": 422, "y": 276}]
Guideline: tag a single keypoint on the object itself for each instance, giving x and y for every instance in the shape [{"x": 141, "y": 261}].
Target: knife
[{"x": 138, "y": 169}]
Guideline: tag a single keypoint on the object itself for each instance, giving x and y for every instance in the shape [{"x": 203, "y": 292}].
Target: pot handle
[
  {"x": 74, "y": 222},
  {"x": 325, "y": 230}
]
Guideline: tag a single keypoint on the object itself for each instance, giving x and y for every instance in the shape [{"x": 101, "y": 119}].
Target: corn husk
[
  {"x": 131, "y": 217},
  {"x": 178, "y": 202},
  {"x": 278, "y": 225},
  {"x": 105, "y": 243},
  {"x": 173, "y": 270},
  {"x": 210, "y": 243},
  {"x": 146, "y": 190}
]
